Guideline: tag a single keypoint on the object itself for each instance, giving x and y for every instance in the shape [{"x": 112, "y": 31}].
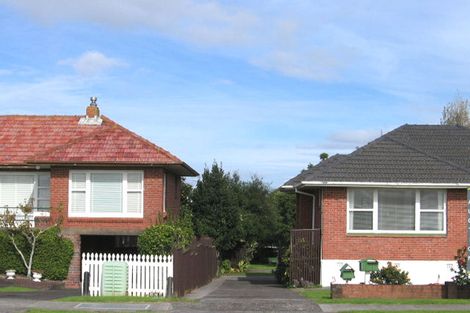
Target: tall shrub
[
  {"x": 161, "y": 239},
  {"x": 53, "y": 254}
]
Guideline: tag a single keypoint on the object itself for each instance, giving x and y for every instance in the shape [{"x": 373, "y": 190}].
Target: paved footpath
[{"x": 246, "y": 294}]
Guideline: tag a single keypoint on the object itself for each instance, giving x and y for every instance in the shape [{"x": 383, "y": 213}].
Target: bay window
[
  {"x": 106, "y": 194},
  {"x": 396, "y": 210}
]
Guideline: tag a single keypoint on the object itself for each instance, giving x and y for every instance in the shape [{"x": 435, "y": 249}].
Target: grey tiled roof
[{"x": 408, "y": 154}]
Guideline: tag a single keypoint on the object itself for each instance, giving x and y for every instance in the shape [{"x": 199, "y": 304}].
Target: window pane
[
  {"x": 16, "y": 189},
  {"x": 430, "y": 200},
  {"x": 396, "y": 209},
  {"x": 44, "y": 204},
  {"x": 363, "y": 199},
  {"x": 78, "y": 201},
  {"x": 43, "y": 193},
  {"x": 44, "y": 180},
  {"x": 360, "y": 220},
  {"x": 134, "y": 181},
  {"x": 432, "y": 221},
  {"x": 134, "y": 202},
  {"x": 106, "y": 192},
  {"x": 78, "y": 181}
]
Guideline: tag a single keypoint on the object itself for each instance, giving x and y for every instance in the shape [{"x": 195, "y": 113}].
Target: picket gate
[{"x": 147, "y": 274}]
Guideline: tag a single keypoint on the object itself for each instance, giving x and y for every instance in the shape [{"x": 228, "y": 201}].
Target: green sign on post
[{"x": 114, "y": 279}]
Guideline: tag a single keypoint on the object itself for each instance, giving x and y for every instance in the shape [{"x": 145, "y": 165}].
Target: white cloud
[{"x": 92, "y": 63}]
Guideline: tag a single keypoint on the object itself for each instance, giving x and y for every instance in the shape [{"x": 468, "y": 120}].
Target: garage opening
[{"x": 109, "y": 244}]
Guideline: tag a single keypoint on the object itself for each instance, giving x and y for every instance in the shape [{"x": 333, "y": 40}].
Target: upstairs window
[
  {"x": 106, "y": 194},
  {"x": 396, "y": 210},
  {"x": 25, "y": 188}
]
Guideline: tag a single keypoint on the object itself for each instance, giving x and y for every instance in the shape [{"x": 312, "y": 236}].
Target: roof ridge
[
  {"x": 425, "y": 153},
  {"x": 142, "y": 139}
]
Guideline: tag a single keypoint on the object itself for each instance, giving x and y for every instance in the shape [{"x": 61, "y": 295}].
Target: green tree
[
  {"x": 283, "y": 205},
  {"x": 258, "y": 216},
  {"x": 456, "y": 113},
  {"x": 216, "y": 210}
]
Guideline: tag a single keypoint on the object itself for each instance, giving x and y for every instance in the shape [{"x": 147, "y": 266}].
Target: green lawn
[
  {"x": 323, "y": 296},
  {"x": 128, "y": 299},
  {"x": 16, "y": 289},
  {"x": 261, "y": 267}
]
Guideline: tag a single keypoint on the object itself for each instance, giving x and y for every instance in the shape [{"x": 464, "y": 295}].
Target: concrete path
[
  {"x": 398, "y": 307},
  {"x": 246, "y": 294}
]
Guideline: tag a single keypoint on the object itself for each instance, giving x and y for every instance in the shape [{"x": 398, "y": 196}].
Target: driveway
[
  {"x": 248, "y": 294},
  {"x": 226, "y": 294}
]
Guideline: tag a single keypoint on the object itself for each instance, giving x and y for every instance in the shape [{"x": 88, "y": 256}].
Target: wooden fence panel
[
  {"x": 305, "y": 259},
  {"x": 195, "y": 266}
]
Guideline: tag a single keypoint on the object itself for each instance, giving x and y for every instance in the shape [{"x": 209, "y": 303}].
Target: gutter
[{"x": 382, "y": 184}]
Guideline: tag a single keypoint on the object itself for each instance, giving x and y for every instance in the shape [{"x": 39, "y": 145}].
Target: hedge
[{"x": 53, "y": 255}]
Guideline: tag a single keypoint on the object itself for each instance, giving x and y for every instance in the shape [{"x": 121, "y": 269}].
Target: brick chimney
[
  {"x": 92, "y": 109},
  {"x": 92, "y": 114}
]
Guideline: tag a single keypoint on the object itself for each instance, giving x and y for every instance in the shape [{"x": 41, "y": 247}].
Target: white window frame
[
  {"x": 88, "y": 212},
  {"x": 35, "y": 184},
  {"x": 375, "y": 214}
]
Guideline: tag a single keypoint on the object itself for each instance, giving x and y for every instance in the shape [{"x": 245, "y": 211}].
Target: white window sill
[
  {"x": 106, "y": 215},
  {"x": 398, "y": 232}
]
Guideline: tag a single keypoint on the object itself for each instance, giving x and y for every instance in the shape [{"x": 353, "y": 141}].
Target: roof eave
[
  {"x": 382, "y": 184},
  {"x": 182, "y": 169}
]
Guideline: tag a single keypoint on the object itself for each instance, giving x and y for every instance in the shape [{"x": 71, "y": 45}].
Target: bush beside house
[{"x": 53, "y": 255}]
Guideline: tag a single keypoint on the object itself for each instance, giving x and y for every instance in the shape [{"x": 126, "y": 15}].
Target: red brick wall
[
  {"x": 173, "y": 193},
  {"x": 337, "y": 244},
  {"x": 153, "y": 206},
  {"x": 388, "y": 291}
]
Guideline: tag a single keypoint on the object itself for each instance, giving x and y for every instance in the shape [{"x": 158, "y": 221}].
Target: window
[
  {"x": 106, "y": 194},
  {"x": 24, "y": 188},
  {"x": 396, "y": 210}
]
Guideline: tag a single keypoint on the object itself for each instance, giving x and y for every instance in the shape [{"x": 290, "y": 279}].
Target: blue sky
[{"x": 262, "y": 86}]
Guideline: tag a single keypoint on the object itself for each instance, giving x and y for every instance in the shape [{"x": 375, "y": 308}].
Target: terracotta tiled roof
[{"x": 26, "y": 139}]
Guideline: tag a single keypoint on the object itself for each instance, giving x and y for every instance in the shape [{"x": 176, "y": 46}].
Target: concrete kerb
[{"x": 331, "y": 308}]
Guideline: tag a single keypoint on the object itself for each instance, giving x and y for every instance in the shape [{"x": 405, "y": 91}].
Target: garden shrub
[
  {"x": 282, "y": 269},
  {"x": 162, "y": 239},
  {"x": 461, "y": 277},
  {"x": 53, "y": 255},
  {"x": 390, "y": 275},
  {"x": 10, "y": 259},
  {"x": 225, "y": 267}
]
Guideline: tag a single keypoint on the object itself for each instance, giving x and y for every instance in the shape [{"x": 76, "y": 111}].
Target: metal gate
[{"x": 305, "y": 258}]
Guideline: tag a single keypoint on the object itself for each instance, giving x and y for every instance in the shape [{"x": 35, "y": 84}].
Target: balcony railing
[{"x": 21, "y": 217}]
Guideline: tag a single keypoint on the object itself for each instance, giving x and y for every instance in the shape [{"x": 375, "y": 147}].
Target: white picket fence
[{"x": 147, "y": 274}]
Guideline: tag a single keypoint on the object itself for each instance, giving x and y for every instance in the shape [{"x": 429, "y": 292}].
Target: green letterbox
[
  {"x": 347, "y": 272},
  {"x": 368, "y": 265}
]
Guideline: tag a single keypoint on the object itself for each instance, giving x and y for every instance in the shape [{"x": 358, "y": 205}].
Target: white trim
[
  {"x": 88, "y": 212},
  {"x": 385, "y": 184},
  {"x": 375, "y": 216}
]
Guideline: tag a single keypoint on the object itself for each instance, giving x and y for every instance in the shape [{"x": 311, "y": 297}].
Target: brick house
[
  {"x": 107, "y": 182},
  {"x": 400, "y": 198}
]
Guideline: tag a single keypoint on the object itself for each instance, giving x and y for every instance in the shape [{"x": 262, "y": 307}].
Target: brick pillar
[{"x": 73, "y": 277}]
